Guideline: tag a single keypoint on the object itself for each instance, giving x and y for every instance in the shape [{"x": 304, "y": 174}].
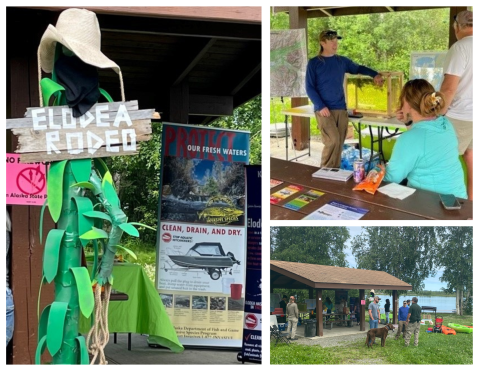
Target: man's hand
[
  {"x": 324, "y": 112},
  {"x": 378, "y": 80}
]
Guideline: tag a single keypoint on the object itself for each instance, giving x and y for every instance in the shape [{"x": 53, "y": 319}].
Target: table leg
[
  {"x": 129, "y": 341},
  {"x": 286, "y": 137},
  {"x": 114, "y": 338}
]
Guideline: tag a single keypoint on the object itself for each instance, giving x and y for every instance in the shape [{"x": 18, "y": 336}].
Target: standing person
[
  {"x": 457, "y": 86},
  {"x": 427, "y": 154},
  {"x": 292, "y": 316},
  {"x": 329, "y": 305},
  {"x": 357, "y": 310},
  {"x": 283, "y": 304},
  {"x": 402, "y": 319},
  {"x": 9, "y": 296},
  {"x": 374, "y": 313},
  {"x": 387, "y": 310},
  {"x": 413, "y": 322},
  {"x": 324, "y": 86}
]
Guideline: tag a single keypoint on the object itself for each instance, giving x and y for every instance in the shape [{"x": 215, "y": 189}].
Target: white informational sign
[
  {"x": 192, "y": 262},
  {"x": 428, "y": 66}
]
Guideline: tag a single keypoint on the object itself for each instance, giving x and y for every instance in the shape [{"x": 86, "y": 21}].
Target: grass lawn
[{"x": 432, "y": 349}]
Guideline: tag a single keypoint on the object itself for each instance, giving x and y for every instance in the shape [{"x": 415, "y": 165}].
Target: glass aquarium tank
[{"x": 363, "y": 96}]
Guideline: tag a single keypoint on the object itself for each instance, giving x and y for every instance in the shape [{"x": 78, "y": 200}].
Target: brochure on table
[
  {"x": 303, "y": 200},
  {"x": 333, "y": 174},
  {"x": 284, "y": 193},
  {"x": 335, "y": 210}
]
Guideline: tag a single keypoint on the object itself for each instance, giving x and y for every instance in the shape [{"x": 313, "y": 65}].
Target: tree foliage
[
  {"x": 382, "y": 41},
  {"x": 246, "y": 117},
  {"x": 313, "y": 245},
  {"x": 455, "y": 256},
  {"x": 404, "y": 252}
]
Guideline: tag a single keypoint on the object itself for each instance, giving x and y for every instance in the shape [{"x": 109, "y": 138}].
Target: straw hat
[{"x": 79, "y": 31}]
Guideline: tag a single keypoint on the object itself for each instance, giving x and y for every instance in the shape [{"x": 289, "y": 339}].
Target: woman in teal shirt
[{"x": 427, "y": 154}]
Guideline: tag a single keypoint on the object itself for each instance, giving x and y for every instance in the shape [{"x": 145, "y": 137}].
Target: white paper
[{"x": 395, "y": 190}]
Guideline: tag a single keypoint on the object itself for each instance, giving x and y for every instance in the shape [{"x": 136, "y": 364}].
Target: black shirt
[
  {"x": 387, "y": 307},
  {"x": 283, "y": 305}
]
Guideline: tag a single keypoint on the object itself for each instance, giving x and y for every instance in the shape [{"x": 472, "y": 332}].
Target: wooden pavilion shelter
[
  {"x": 316, "y": 278},
  {"x": 298, "y": 18},
  {"x": 192, "y": 64}
]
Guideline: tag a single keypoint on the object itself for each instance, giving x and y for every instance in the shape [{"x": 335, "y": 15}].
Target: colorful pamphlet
[
  {"x": 274, "y": 183},
  {"x": 335, "y": 210},
  {"x": 302, "y": 200},
  {"x": 284, "y": 193}
]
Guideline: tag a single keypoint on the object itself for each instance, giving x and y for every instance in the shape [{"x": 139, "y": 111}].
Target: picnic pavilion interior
[{"x": 316, "y": 278}]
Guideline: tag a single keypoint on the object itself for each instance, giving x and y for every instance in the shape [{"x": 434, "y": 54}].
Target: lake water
[{"x": 444, "y": 304}]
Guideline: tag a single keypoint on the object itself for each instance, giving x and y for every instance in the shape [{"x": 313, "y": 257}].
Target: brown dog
[{"x": 378, "y": 333}]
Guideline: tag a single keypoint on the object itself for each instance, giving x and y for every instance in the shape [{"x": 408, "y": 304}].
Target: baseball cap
[
  {"x": 464, "y": 17},
  {"x": 376, "y": 297},
  {"x": 329, "y": 35},
  {"x": 404, "y": 302}
]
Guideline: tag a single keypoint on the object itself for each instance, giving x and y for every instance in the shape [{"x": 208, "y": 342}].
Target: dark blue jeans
[{"x": 9, "y": 305}]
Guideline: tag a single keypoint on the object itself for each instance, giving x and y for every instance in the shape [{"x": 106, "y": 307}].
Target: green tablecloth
[{"x": 142, "y": 313}]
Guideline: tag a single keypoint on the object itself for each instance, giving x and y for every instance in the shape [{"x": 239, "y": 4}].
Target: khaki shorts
[{"x": 464, "y": 130}]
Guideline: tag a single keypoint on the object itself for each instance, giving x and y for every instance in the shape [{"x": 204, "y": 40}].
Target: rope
[
  {"x": 39, "y": 66},
  {"x": 121, "y": 84},
  {"x": 98, "y": 335}
]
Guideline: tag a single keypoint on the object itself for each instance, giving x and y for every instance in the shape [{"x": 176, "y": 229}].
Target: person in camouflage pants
[{"x": 413, "y": 322}]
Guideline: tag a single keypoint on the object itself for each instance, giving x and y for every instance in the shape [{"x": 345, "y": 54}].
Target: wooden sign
[{"x": 107, "y": 129}]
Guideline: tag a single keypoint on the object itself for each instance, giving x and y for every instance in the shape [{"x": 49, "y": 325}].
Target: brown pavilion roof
[{"x": 301, "y": 276}]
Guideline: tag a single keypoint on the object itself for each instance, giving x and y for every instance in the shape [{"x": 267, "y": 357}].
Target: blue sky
[{"x": 431, "y": 283}]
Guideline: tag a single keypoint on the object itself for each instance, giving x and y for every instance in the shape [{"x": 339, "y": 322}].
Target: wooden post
[
  {"x": 395, "y": 306},
  {"x": 310, "y": 292},
  {"x": 179, "y": 103},
  {"x": 300, "y": 125},
  {"x": 362, "y": 310},
  {"x": 319, "y": 306}
]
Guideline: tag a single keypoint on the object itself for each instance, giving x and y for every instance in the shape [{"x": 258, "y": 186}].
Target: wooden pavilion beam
[
  {"x": 210, "y": 105},
  {"x": 197, "y": 55},
  {"x": 243, "y": 14},
  {"x": 300, "y": 125}
]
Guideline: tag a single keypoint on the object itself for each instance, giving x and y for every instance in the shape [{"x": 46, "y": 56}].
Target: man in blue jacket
[
  {"x": 402, "y": 318},
  {"x": 324, "y": 86}
]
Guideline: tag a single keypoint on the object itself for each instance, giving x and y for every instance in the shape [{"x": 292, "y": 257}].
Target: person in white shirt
[{"x": 457, "y": 86}]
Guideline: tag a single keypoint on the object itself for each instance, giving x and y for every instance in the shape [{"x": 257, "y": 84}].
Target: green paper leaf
[
  {"x": 84, "y": 289},
  {"x": 95, "y": 259},
  {"x": 98, "y": 215},
  {"x": 84, "y": 205},
  {"x": 101, "y": 166},
  {"x": 81, "y": 169},
  {"x": 110, "y": 279},
  {"x": 107, "y": 178},
  {"x": 130, "y": 229},
  {"x": 45, "y": 203},
  {"x": 94, "y": 234},
  {"x": 87, "y": 185},
  {"x": 56, "y": 324},
  {"x": 110, "y": 194},
  {"x": 129, "y": 252},
  {"x": 143, "y": 225},
  {"x": 40, "y": 349},
  {"x": 55, "y": 188},
  {"x": 51, "y": 254},
  {"x": 43, "y": 323},
  {"x": 84, "y": 359}
]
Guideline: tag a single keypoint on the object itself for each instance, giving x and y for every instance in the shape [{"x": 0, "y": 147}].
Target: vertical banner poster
[
  {"x": 252, "y": 326},
  {"x": 26, "y": 182},
  {"x": 201, "y": 240}
]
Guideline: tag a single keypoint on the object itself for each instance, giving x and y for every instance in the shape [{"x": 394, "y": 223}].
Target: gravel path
[{"x": 331, "y": 341}]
